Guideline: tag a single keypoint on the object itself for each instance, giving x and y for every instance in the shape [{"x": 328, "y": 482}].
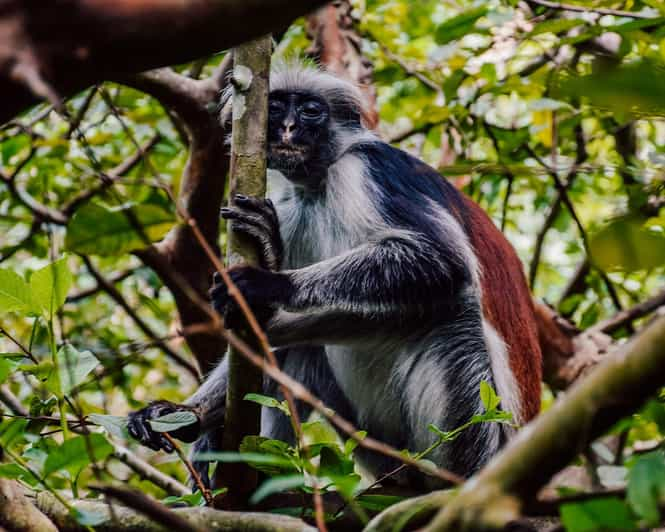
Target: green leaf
[
  {"x": 73, "y": 367},
  {"x": 488, "y": 396},
  {"x": 16, "y": 472},
  {"x": 192, "y": 499},
  {"x": 114, "y": 425},
  {"x": 14, "y": 292},
  {"x": 269, "y": 402},
  {"x": 249, "y": 458},
  {"x": 89, "y": 517},
  {"x": 7, "y": 366},
  {"x": 597, "y": 515},
  {"x": 318, "y": 432},
  {"x": 276, "y": 485},
  {"x": 49, "y": 287},
  {"x": 624, "y": 244},
  {"x": 378, "y": 503},
  {"x": 556, "y": 26},
  {"x": 288, "y": 461},
  {"x": 646, "y": 486},
  {"x": 98, "y": 230},
  {"x": 75, "y": 454},
  {"x": 458, "y": 26},
  {"x": 333, "y": 462},
  {"x": 12, "y": 431},
  {"x": 351, "y": 444},
  {"x": 173, "y": 421},
  {"x": 636, "y": 88}
]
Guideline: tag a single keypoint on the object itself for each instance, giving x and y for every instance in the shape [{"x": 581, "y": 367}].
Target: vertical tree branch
[{"x": 248, "y": 176}]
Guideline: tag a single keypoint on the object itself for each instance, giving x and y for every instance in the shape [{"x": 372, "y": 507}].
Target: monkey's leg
[{"x": 309, "y": 366}]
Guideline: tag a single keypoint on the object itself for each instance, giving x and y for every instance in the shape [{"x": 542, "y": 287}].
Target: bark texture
[
  {"x": 250, "y": 80},
  {"x": 125, "y": 519}
]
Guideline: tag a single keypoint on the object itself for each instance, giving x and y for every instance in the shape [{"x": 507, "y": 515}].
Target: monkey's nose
[{"x": 289, "y": 129}]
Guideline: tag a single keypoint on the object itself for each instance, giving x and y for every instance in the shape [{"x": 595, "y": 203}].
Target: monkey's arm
[
  {"x": 375, "y": 287},
  {"x": 208, "y": 404}
]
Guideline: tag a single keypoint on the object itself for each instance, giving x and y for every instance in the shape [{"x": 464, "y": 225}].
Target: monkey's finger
[
  {"x": 164, "y": 443},
  {"x": 217, "y": 278},
  {"x": 270, "y": 249},
  {"x": 250, "y": 218},
  {"x": 263, "y": 206},
  {"x": 145, "y": 435}
]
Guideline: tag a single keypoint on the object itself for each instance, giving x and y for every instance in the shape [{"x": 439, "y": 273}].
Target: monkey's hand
[
  {"x": 256, "y": 218},
  {"x": 263, "y": 290},
  {"x": 139, "y": 428}
]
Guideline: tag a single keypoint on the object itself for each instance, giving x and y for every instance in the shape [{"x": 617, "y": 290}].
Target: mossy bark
[{"x": 248, "y": 176}]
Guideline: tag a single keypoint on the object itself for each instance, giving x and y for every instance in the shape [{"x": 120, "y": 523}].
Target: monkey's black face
[{"x": 299, "y": 136}]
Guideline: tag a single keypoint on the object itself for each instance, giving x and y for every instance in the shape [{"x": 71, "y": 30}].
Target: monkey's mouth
[{"x": 288, "y": 150}]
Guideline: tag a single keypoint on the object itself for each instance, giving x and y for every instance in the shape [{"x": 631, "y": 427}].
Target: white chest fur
[{"x": 318, "y": 225}]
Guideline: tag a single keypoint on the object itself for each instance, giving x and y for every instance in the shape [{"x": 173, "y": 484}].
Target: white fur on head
[{"x": 294, "y": 75}]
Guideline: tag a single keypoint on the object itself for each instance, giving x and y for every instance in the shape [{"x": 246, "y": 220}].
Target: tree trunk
[{"x": 248, "y": 176}]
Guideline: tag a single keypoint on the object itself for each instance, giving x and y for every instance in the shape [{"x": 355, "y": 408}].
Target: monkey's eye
[
  {"x": 275, "y": 108},
  {"x": 311, "y": 110}
]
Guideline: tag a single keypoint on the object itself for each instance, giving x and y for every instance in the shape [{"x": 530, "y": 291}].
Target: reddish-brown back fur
[{"x": 507, "y": 304}]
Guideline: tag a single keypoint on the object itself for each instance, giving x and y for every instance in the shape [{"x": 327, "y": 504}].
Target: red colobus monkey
[{"x": 387, "y": 292}]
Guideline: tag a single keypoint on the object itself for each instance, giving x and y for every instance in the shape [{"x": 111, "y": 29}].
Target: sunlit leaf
[
  {"x": 76, "y": 453},
  {"x": 90, "y": 517},
  {"x": 633, "y": 88},
  {"x": 625, "y": 244},
  {"x": 98, "y": 230},
  {"x": 49, "y": 287},
  {"x": 16, "y": 472},
  {"x": 173, "y": 421},
  {"x": 73, "y": 367},
  {"x": 276, "y": 485},
  {"x": 318, "y": 432},
  {"x": 597, "y": 515},
  {"x": 14, "y": 292},
  {"x": 459, "y": 26},
  {"x": 269, "y": 402},
  {"x": 556, "y": 26},
  {"x": 646, "y": 486},
  {"x": 488, "y": 396},
  {"x": 115, "y": 425}
]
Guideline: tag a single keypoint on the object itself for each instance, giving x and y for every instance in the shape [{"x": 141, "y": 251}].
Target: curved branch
[
  {"x": 115, "y": 294},
  {"x": 110, "y": 177},
  {"x": 75, "y": 43},
  {"x": 614, "y": 389},
  {"x": 123, "y": 518}
]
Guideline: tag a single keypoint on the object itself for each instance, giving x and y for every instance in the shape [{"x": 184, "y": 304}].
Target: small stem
[
  {"x": 56, "y": 369},
  {"x": 199, "y": 483}
]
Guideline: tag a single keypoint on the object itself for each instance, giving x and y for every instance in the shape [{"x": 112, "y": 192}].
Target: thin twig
[
  {"x": 588, "y": 9},
  {"x": 239, "y": 298},
  {"x": 318, "y": 510},
  {"x": 623, "y": 317},
  {"x": 113, "y": 279},
  {"x": 115, "y": 294},
  {"x": 110, "y": 177},
  {"x": 18, "y": 344},
  {"x": 78, "y": 118},
  {"x": 192, "y": 471},
  {"x": 301, "y": 393}
]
